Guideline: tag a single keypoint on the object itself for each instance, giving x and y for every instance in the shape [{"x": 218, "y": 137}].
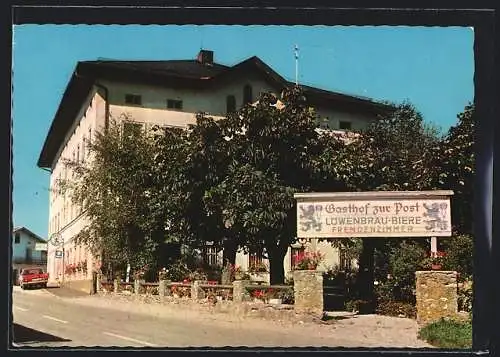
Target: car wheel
[
  {"x": 44, "y": 286},
  {"x": 22, "y": 286}
]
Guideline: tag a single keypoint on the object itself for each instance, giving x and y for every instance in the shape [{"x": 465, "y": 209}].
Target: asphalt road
[{"x": 40, "y": 319}]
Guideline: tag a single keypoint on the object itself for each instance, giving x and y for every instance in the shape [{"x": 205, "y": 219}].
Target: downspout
[{"x": 106, "y": 108}]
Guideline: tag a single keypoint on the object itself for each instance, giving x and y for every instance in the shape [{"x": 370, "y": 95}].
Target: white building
[
  {"x": 167, "y": 93},
  {"x": 25, "y": 252}
]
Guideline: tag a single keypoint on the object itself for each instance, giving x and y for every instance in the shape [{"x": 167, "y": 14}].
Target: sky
[{"x": 431, "y": 67}]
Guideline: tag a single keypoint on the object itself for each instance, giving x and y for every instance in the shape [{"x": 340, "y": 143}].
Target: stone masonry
[
  {"x": 308, "y": 291},
  {"x": 240, "y": 293},
  {"x": 436, "y": 296}
]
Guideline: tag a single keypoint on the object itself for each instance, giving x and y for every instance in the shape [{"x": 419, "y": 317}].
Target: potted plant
[
  {"x": 435, "y": 260},
  {"x": 239, "y": 274},
  {"x": 308, "y": 260}
]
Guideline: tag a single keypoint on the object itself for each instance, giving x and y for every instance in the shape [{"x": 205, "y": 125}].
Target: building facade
[
  {"x": 164, "y": 93},
  {"x": 26, "y": 252}
]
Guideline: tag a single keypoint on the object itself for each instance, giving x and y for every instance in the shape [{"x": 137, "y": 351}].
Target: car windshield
[{"x": 32, "y": 271}]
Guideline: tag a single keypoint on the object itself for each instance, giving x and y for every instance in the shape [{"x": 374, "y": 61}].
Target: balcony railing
[{"x": 29, "y": 261}]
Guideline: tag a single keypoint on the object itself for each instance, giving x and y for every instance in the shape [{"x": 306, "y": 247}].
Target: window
[
  {"x": 131, "y": 128},
  {"x": 43, "y": 255},
  {"x": 344, "y": 261},
  {"x": 78, "y": 153},
  {"x": 255, "y": 260},
  {"x": 345, "y": 125},
  {"x": 90, "y": 137},
  {"x": 133, "y": 99},
  {"x": 247, "y": 94},
  {"x": 211, "y": 256},
  {"x": 295, "y": 253},
  {"x": 174, "y": 104},
  {"x": 230, "y": 104},
  {"x": 17, "y": 238}
]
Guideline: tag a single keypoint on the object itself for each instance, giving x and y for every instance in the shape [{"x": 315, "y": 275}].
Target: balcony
[{"x": 18, "y": 260}]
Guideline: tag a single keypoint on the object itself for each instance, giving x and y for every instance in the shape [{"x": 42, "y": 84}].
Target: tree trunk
[
  {"x": 364, "y": 281},
  {"x": 276, "y": 256},
  {"x": 229, "y": 252}
]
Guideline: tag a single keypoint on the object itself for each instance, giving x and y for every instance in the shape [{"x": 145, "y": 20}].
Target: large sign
[
  {"x": 40, "y": 246},
  {"x": 374, "y": 214}
]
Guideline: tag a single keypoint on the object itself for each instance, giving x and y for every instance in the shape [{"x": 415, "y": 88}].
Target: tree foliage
[{"x": 113, "y": 189}]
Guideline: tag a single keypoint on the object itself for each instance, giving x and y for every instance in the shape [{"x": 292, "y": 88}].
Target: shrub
[
  {"x": 361, "y": 306},
  {"x": 396, "y": 308},
  {"x": 404, "y": 260},
  {"x": 465, "y": 296},
  {"x": 448, "y": 334},
  {"x": 459, "y": 250}
]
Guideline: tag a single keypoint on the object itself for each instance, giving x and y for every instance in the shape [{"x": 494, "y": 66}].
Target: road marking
[
  {"x": 20, "y": 308},
  {"x": 55, "y": 319},
  {"x": 130, "y": 339}
]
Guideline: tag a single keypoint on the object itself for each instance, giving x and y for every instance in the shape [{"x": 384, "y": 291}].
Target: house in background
[
  {"x": 141, "y": 94},
  {"x": 25, "y": 252}
]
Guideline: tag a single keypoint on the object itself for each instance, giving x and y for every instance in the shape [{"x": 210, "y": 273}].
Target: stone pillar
[
  {"x": 116, "y": 286},
  {"x": 196, "y": 291},
  {"x": 163, "y": 289},
  {"x": 240, "y": 293},
  {"x": 308, "y": 291},
  {"x": 138, "y": 288},
  {"x": 98, "y": 282},
  {"x": 436, "y": 295}
]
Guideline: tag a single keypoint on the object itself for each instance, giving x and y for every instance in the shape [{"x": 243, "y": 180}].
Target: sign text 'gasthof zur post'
[{"x": 374, "y": 214}]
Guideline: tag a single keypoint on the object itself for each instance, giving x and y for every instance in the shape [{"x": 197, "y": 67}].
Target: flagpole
[{"x": 296, "y": 65}]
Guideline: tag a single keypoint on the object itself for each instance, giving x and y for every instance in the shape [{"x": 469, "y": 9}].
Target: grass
[{"x": 448, "y": 334}]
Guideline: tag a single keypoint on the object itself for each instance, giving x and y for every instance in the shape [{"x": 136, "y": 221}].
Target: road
[{"x": 41, "y": 319}]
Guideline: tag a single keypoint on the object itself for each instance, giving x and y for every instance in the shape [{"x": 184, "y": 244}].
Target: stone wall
[
  {"x": 436, "y": 295},
  {"x": 308, "y": 291},
  {"x": 80, "y": 285}
]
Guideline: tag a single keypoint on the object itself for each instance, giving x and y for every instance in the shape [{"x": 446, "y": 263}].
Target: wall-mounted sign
[
  {"x": 374, "y": 214},
  {"x": 59, "y": 253},
  {"x": 40, "y": 246}
]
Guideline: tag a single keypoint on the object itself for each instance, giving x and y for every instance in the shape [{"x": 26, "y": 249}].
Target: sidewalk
[{"x": 65, "y": 292}]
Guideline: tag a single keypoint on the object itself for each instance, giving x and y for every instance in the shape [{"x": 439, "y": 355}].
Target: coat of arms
[
  {"x": 310, "y": 217},
  {"x": 437, "y": 216}
]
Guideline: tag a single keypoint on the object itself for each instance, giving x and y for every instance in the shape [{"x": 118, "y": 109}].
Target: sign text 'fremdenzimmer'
[{"x": 419, "y": 217}]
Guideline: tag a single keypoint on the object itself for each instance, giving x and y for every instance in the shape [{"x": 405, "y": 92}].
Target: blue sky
[{"x": 431, "y": 67}]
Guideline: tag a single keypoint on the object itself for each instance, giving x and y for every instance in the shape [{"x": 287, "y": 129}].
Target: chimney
[{"x": 206, "y": 57}]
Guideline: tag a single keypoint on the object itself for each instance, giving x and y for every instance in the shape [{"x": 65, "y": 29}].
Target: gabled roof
[
  {"x": 30, "y": 233},
  {"x": 181, "y": 74}
]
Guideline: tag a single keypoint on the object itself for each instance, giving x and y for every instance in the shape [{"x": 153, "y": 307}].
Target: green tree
[
  {"x": 113, "y": 188},
  {"x": 384, "y": 157},
  {"x": 273, "y": 152}
]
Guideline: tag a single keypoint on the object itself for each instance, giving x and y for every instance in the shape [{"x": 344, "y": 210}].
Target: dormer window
[
  {"x": 247, "y": 94},
  {"x": 230, "y": 104},
  {"x": 133, "y": 99},
  {"x": 174, "y": 104},
  {"x": 345, "y": 125}
]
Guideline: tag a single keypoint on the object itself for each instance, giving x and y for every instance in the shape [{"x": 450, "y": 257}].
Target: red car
[{"x": 33, "y": 277}]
